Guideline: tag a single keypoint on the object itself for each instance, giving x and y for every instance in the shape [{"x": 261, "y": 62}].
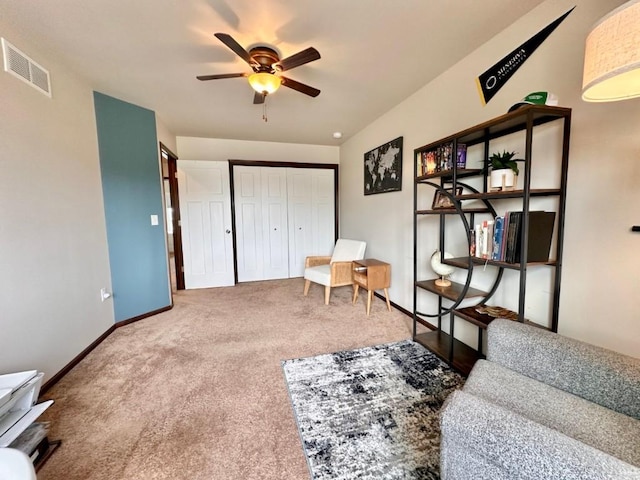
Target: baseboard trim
[
  {"x": 78, "y": 358},
  {"x": 122, "y": 323},
  {"x": 404, "y": 310}
]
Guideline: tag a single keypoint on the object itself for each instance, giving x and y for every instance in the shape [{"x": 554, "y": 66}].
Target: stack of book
[
  {"x": 441, "y": 159},
  {"x": 500, "y": 239}
]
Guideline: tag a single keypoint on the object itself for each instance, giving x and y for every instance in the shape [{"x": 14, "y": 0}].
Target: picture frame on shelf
[
  {"x": 442, "y": 200},
  {"x": 383, "y": 168}
]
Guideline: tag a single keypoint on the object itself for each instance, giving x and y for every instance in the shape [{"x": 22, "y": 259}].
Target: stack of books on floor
[{"x": 500, "y": 239}]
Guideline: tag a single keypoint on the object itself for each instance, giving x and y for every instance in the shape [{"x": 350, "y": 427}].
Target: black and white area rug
[{"x": 371, "y": 413}]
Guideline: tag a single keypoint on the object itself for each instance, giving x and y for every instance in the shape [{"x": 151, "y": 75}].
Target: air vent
[{"x": 23, "y": 67}]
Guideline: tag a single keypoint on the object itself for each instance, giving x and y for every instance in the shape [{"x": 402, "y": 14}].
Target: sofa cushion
[
  {"x": 587, "y": 422},
  {"x": 477, "y": 432},
  {"x": 602, "y": 376}
]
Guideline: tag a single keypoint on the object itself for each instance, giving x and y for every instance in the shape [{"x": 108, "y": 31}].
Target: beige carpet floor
[{"x": 198, "y": 392}]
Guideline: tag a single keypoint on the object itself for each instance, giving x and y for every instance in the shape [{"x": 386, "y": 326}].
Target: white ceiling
[{"x": 375, "y": 53}]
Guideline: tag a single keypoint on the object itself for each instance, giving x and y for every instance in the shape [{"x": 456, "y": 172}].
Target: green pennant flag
[{"x": 495, "y": 77}]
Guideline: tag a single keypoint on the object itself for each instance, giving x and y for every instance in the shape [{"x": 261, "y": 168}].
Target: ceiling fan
[{"x": 266, "y": 65}]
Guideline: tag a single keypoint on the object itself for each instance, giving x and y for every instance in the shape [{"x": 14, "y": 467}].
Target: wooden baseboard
[
  {"x": 122, "y": 323},
  {"x": 69, "y": 366},
  {"x": 404, "y": 310}
]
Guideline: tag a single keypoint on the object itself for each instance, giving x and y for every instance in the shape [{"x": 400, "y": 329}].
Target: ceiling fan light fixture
[{"x": 263, "y": 82}]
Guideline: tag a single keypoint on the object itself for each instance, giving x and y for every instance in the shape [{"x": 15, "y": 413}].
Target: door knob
[{"x": 228, "y": 231}]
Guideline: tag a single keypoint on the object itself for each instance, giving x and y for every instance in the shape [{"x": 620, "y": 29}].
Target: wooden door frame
[
  {"x": 172, "y": 161},
  {"x": 267, "y": 163}
]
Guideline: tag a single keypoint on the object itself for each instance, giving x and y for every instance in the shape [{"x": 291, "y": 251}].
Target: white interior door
[
  {"x": 205, "y": 211},
  {"x": 311, "y": 196}
]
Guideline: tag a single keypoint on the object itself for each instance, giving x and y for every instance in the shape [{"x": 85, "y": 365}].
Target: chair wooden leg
[
  {"x": 307, "y": 283},
  {"x": 386, "y": 295},
  {"x": 327, "y": 292},
  {"x": 355, "y": 293}
]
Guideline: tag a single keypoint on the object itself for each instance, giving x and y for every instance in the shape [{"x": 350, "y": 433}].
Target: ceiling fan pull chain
[{"x": 264, "y": 109}]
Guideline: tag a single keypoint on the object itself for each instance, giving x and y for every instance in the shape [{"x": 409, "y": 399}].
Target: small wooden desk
[{"x": 371, "y": 274}]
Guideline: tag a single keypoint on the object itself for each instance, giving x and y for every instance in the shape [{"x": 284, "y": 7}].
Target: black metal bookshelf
[{"x": 482, "y": 201}]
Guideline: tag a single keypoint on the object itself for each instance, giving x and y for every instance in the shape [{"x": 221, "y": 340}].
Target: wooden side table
[{"x": 371, "y": 274}]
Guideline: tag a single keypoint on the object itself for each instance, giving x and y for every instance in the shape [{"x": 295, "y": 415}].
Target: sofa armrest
[
  {"x": 316, "y": 261},
  {"x": 475, "y": 431},
  {"x": 596, "y": 374}
]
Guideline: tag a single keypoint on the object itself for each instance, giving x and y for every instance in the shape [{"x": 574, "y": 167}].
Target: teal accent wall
[{"x": 132, "y": 190}]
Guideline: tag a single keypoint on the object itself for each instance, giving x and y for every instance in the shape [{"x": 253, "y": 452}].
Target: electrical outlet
[{"x": 104, "y": 294}]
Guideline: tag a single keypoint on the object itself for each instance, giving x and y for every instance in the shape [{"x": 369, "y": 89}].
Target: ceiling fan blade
[
  {"x": 305, "y": 56},
  {"x": 300, "y": 87},
  {"x": 235, "y": 46},
  {"x": 222, "y": 75},
  {"x": 259, "y": 98}
]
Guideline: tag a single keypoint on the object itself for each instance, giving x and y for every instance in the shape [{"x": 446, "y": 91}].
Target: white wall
[
  {"x": 601, "y": 255},
  {"x": 52, "y": 230},
  {"x": 193, "y": 148},
  {"x": 165, "y": 136}
]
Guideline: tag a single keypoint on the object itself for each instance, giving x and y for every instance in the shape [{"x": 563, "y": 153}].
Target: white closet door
[
  {"x": 274, "y": 223},
  {"x": 323, "y": 213},
  {"x": 248, "y": 209},
  {"x": 300, "y": 231},
  {"x": 311, "y": 196},
  {"x": 205, "y": 212},
  {"x": 261, "y": 223}
]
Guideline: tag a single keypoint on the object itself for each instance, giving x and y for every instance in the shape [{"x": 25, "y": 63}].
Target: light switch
[{"x": 154, "y": 219}]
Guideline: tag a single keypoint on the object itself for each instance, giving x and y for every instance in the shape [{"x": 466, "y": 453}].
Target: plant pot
[{"x": 503, "y": 179}]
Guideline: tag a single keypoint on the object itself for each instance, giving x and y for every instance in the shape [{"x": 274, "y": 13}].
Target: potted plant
[{"x": 504, "y": 170}]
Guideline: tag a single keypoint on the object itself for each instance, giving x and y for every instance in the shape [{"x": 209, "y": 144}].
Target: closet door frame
[{"x": 260, "y": 163}]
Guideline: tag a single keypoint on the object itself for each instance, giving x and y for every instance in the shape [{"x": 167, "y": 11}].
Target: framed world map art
[{"x": 383, "y": 168}]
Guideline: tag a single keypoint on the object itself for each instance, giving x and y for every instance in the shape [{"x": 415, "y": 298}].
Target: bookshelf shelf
[
  {"x": 476, "y": 200},
  {"x": 463, "y": 262}
]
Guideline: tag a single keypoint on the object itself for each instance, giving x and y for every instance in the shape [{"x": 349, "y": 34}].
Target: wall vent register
[{"x": 26, "y": 69}]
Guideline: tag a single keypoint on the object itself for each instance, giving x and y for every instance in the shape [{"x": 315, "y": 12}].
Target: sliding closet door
[
  {"x": 311, "y": 195},
  {"x": 260, "y": 197}
]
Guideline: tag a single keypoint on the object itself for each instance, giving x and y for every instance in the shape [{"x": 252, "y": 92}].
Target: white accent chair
[{"x": 333, "y": 271}]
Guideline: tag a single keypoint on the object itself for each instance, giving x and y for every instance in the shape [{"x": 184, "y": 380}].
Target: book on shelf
[
  {"x": 430, "y": 162},
  {"x": 512, "y": 237},
  {"x": 461, "y": 160},
  {"x": 497, "y": 238},
  {"x": 539, "y": 235},
  {"x": 444, "y": 157},
  {"x": 501, "y": 239},
  {"x": 472, "y": 243},
  {"x": 483, "y": 238},
  {"x": 487, "y": 239}
]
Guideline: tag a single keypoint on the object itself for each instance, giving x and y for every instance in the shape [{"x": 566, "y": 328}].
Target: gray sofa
[{"x": 543, "y": 406}]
